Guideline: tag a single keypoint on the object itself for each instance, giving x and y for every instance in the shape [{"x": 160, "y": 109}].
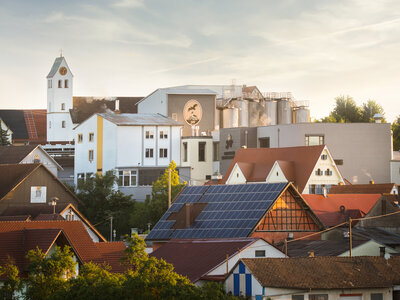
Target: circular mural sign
[{"x": 192, "y": 112}]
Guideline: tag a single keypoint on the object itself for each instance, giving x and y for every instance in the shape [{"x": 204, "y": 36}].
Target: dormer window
[
  {"x": 60, "y": 84},
  {"x": 324, "y": 157},
  {"x": 319, "y": 172},
  {"x": 66, "y": 83},
  {"x": 328, "y": 172}
]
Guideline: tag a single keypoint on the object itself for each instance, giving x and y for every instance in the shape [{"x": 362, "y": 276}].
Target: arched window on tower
[
  {"x": 66, "y": 83},
  {"x": 62, "y": 106},
  {"x": 60, "y": 84}
]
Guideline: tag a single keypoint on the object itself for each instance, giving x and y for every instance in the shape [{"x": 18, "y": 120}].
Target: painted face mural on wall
[{"x": 192, "y": 112}]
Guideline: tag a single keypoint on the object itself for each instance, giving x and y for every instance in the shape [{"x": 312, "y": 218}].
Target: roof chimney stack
[
  {"x": 378, "y": 118},
  {"x": 117, "y": 106}
]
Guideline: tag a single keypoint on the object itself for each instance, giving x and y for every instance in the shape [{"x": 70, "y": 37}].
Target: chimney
[
  {"x": 378, "y": 118},
  {"x": 117, "y": 106},
  {"x": 325, "y": 191},
  {"x": 382, "y": 251},
  {"x": 188, "y": 207},
  {"x": 311, "y": 253}
]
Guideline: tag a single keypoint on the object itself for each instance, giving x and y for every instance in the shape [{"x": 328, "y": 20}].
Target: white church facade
[{"x": 59, "y": 102}]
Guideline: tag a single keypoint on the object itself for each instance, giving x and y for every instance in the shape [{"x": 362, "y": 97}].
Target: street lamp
[{"x": 54, "y": 203}]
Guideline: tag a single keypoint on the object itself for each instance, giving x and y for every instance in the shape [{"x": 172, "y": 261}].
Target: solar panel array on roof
[{"x": 232, "y": 211}]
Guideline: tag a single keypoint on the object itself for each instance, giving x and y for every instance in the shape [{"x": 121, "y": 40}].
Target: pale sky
[{"x": 316, "y": 49}]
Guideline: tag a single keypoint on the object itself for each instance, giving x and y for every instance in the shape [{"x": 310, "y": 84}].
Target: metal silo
[
  {"x": 271, "y": 111},
  {"x": 243, "y": 106},
  {"x": 254, "y": 114},
  {"x": 302, "y": 115},
  {"x": 285, "y": 114},
  {"x": 230, "y": 117}
]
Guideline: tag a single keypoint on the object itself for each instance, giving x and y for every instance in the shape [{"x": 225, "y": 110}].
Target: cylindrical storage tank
[
  {"x": 243, "y": 107},
  {"x": 284, "y": 112},
  {"x": 230, "y": 117},
  {"x": 254, "y": 114},
  {"x": 302, "y": 115},
  {"x": 271, "y": 110},
  {"x": 217, "y": 120}
]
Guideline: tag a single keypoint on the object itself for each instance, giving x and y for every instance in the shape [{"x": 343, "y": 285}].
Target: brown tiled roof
[
  {"x": 33, "y": 210},
  {"x": 195, "y": 258},
  {"x": 15, "y": 218},
  {"x": 75, "y": 232},
  {"x": 328, "y": 208},
  {"x": 299, "y": 163},
  {"x": 84, "y": 107},
  {"x": 11, "y": 175},
  {"x": 325, "y": 272},
  {"x": 48, "y": 217},
  {"x": 14, "y": 154},
  {"x": 379, "y": 188},
  {"x": 302, "y": 248}
]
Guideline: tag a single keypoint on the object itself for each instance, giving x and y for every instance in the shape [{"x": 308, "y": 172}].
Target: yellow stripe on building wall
[{"x": 99, "y": 145}]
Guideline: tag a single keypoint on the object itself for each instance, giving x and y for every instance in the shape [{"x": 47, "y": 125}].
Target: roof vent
[
  {"x": 378, "y": 118},
  {"x": 342, "y": 209}
]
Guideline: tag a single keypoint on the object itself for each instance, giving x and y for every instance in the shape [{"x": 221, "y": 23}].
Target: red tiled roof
[
  {"x": 15, "y": 243},
  {"x": 11, "y": 237},
  {"x": 328, "y": 209},
  {"x": 112, "y": 253},
  {"x": 325, "y": 272},
  {"x": 379, "y": 188},
  {"x": 297, "y": 162},
  {"x": 195, "y": 258}
]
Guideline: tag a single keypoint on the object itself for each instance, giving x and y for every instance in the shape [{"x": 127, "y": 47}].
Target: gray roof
[
  {"x": 181, "y": 91},
  {"x": 55, "y": 66},
  {"x": 139, "y": 119}
]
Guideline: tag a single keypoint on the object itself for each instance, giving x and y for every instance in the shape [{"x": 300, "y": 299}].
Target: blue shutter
[
  {"x": 248, "y": 285},
  {"x": 236, "y": 284}
]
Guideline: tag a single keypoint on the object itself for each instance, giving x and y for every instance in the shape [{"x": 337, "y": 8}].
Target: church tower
[{"x": 59, "y": 102}]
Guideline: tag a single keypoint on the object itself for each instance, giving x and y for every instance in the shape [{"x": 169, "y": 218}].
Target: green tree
[
  {"x": 158, "y": 204},
  {"x": 396, "y": 134},
  {"x": 95, "y": 282},
  {"x": 346, "y": 110},
  {"x": 49, "y": 274},
  {"x": 101, "y": 201},
  {"x": 11, "y": 282},
  {"x": 4, "y": 137},
  {"x": 368, "y": 111}
]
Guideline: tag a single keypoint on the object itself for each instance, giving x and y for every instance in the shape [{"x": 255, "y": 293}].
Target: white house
[
  {"x": 315, "y": 278},
  {"x": 310, "y": 168},
  {"x": 137, "y": 146}
]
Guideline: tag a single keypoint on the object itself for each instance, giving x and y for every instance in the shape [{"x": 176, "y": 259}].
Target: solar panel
[{"x": 231, "y": 210}]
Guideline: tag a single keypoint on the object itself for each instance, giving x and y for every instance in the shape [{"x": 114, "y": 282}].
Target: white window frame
[
  {"x": 91, "y": 155},
  {"x": 163, "y": 134},
  {"x": 91, "y": 136},
  {"x": 163, "y": 153},
  {"x": 149, "y": 153},
  {"x": 149, "y": 134},
  {"x": 127, "y": 174}
]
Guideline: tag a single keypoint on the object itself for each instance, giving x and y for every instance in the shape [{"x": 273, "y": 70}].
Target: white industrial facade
[{"x": 138, "y": 147}]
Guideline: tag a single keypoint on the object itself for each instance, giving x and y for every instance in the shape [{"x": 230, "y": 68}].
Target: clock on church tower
[{"x": 63, "y": 70}]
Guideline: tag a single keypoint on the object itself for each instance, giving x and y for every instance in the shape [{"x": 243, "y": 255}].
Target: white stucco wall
[
  {"x": 276, "y": 174},
  {"x": 249, "y": 252},
  {"x": 199, "y": 169},
  {"x": 158, "y": 99},
  {"x": 395, "y": 171},
  {"x": 236, "y": 176},
  {"x": 44, "y": 159},
  {"x": 324, "y": 179},
  {"x": 81, "y": 162}
]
